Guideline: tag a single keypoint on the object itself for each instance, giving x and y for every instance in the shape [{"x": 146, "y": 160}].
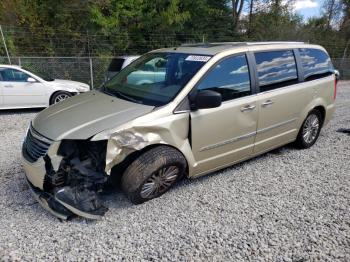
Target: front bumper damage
[
  {"x": 113, "y": 148},
  {"x": 48, "y": 202},
  {"x": 67, "y": 180}
]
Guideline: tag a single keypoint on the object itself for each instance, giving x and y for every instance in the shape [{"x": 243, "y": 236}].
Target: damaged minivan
[{"x": 176, "y": 112}]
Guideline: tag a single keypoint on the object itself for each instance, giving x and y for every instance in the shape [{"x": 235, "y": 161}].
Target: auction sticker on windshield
[{"x": 199, "y": 58}]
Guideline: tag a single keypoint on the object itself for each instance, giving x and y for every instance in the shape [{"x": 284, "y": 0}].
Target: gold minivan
[{"x": 174, "y": 112}]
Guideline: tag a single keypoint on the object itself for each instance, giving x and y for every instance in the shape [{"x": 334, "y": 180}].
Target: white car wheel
[{"x": 59, "y": 97}]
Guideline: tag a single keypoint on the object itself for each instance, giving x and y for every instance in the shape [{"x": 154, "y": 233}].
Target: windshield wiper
[{"x": 120, "y": 94}]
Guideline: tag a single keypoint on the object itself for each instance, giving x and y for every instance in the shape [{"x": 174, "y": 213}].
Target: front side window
[
  {"x": 230, "y": 78},
  {"x": 156, "y": 78},
  {"x": 276, "y": 69},
  {"x": 13, "y": 75},
  {"x": 316, "y": 63}
]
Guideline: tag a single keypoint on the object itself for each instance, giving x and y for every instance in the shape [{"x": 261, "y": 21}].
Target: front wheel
[
  {"x": 59, "y": 96},
  {"x": 310, "y": 130},
  {"x": 153, "y": 173}
]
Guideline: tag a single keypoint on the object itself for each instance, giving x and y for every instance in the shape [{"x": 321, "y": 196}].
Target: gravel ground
[{"x": 287, "y": 205}]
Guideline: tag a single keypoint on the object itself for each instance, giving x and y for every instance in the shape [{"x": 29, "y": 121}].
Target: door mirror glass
[
  {"x": 31, "y": 80},
  {"x": 207, "y": 99}
]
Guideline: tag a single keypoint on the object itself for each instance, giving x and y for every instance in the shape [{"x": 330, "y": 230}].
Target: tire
[
  {"x": 309, "y": 130},
  {"x": 153, "y": 173},
  {"x": 59, "y": 96}
]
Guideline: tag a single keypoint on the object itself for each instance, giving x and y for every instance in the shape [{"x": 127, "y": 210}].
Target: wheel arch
[
  {"x": 318, "y": 104},
  {"x": 118, "y": 170},
  {"x": 322, "y": 110}
]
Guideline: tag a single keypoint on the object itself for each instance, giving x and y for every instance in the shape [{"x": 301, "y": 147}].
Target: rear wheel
[
  {"x": 310, "y": 130},
  {"x": 153, "y": 173},
  {"x": 59, "y": 96}
]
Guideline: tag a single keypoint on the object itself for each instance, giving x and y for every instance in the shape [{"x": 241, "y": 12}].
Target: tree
[
  {"x": 237, "y": 7},
  {"x": 332, "y": 11},
  {"x": 250, "y": 18},
  {"x": 210, "y": 20},
  {"x": 138, "y": 24}
]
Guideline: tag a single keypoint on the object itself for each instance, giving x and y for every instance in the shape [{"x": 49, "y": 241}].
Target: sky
[{"x": 308, "y": 8}]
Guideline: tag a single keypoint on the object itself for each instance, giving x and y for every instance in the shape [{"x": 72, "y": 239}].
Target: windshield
[{"x": 156, "y": 78}]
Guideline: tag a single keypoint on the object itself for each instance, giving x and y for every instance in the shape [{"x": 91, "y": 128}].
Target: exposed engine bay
[{"x": 79, "y": 179}]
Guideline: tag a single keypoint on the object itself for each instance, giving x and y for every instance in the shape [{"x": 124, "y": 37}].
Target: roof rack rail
[
  {"x": 212, "y": 44},
  {"x": 195, "y": 44},
  {"x": 274, "y": 42}
]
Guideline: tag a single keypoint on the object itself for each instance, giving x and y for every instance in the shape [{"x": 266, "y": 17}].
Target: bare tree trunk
[
  {"x": 237, "y": 6},
  {"x": 345, "y": 51},
  {"x": 251, "y": 8},
  {"x": 330, "y": 11}
]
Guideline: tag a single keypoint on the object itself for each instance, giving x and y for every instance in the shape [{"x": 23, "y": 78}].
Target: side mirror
[
  {"x": 31, "y": 80},
  {"x": 206, "y": 99}
]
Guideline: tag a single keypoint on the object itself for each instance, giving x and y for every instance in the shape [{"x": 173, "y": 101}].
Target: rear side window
[
  {"x": 230, "y": 78},
  {"x": 116, "y": 65},
  {"x": 276, "y": 69},
  {"x": 316, "y": 63}
]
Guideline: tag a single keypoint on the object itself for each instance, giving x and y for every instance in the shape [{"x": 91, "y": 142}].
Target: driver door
[
  {"x": 224, "y": 135},
  {"x": 18, "y": 92}
]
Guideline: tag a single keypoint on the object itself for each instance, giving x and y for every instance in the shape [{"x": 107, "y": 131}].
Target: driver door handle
[
  {"x": 8, "y": 86},
  {"x": 267, "y": 103},
  {"x": 247, "y": 108}
]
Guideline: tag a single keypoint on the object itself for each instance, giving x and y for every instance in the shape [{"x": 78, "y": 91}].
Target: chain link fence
[
  {"x": 343, "y": 65},
  {"x": 85, "y": 57},
  {"x": 89, "y": 70}
]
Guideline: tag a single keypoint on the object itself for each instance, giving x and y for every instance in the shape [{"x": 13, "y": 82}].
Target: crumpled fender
[{"x": 148, "y": 130}]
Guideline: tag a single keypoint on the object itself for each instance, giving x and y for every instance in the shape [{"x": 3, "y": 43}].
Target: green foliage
[{"x": 114, "y": 27}]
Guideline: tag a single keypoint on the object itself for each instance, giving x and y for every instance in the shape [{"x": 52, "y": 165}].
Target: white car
[
  {"x": 20, "y": 88},
  {"x": 117, "y": 64}
]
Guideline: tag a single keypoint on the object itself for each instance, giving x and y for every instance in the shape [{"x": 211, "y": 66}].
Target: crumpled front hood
[{"x": 85, "y": 115}]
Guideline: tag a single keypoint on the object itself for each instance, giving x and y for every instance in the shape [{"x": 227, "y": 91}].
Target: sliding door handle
[{"x": 247, "y": 108}]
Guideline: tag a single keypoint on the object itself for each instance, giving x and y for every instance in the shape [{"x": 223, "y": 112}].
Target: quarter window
[
  {"x": 276, "y": 69},
  {"x": 13, "y": 75},
  {"x": 316, "y": 63},
  {"x": 229, "y": 77}
]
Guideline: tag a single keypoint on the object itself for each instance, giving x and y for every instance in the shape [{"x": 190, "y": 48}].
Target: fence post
[
  {"x": 19, "y": 61},
  {"x": 91, "y": 74},
  {"x": 3, "y": 39}
]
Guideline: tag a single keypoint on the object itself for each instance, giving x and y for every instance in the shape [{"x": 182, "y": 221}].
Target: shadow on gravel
[
  {"x": 116, "y": 200},
  {"x": 20, "y": 111},
  {"x": 344, "y": 131},
  {"x": 278, "y": 151}
]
